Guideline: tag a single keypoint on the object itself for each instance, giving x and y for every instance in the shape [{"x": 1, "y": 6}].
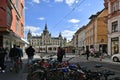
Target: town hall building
[{"x": 45, "y": 43}]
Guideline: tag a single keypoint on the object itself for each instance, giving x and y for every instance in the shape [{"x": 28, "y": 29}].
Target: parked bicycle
[{"x": 16, "y": 64}]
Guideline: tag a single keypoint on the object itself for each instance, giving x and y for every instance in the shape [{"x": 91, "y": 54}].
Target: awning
[
  {"x": 24, "y": 41},
  {"x": 16, "y": 37}
]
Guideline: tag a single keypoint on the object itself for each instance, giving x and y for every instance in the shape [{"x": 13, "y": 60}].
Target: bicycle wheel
[
  {"x": 37, "y": 75},
  {"x": 55, "y": 75},
  {"x": 16, "y": 67}
]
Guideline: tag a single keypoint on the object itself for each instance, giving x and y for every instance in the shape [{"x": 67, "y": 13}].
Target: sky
[{"x": 61, "y": 16}]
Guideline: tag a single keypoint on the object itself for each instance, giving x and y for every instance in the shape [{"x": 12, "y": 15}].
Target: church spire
[
  {"x": 45, "y": 30},
  {"x": 45, "y": 26},
  {"x": 60, "y": 34},
  {"x": 29, "y": 31}
]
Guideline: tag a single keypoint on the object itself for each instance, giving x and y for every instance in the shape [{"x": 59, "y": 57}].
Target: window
[
  {"x": 17, "y": 24},
  {"x": 17, "y": 3},
  {"x": 50, "y": 48},
  {"x": 22, "y": 10},
  {"x": 22, "y": 29},
  {"x": 115, "y": 6},
  {"x": 9, "y": 16},
  {"x": 115, "y": 26}
]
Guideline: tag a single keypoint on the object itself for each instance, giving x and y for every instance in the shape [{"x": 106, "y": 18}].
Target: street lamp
[{"x": 46, "y": 49}]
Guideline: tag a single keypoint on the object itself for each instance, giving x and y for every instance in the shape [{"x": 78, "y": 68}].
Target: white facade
[
  {"x": 114, "y": 27},
  {"x": 81, "y": 41},
  {"x": 113, "y": 34}
]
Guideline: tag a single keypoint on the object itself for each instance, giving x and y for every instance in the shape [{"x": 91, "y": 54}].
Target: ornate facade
[{"x": 45, "y": 43}]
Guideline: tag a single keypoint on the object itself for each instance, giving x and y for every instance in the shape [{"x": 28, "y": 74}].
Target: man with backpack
[{"x": 30, "y": 53}]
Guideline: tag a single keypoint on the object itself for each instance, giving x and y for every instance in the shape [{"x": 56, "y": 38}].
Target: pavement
[
  {"x": 73, "y": 58},
  {"x": 78, "y": 58}
]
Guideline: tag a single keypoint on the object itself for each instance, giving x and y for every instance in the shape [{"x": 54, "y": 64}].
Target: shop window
[
  {"x": 50, "y": 48},
  {"x": 115, "y": 45},
  {"x": 115, "y": 26},
  {"x": 54, "y": 48}
]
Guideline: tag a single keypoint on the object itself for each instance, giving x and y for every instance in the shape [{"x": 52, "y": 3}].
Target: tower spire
[{"x": 45, "y": 26}]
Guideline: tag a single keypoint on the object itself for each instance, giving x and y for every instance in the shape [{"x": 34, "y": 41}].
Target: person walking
[
  {"x": 20, "y": 52},
  {"x": 101, "y": 53},
  {"x": 63, "y": 52},
  {"x": 59, "y": 54},
  {"x": 14, "y": 52},
  {"x": 30, "y": 53},
  {"x": 87, "y": 54},
  {"x": 2, "y": 59}
]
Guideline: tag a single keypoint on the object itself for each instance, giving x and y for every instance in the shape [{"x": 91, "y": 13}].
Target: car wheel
[{"x": 115, "y": 59}]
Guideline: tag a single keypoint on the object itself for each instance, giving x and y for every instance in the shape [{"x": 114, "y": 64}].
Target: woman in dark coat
[
  {"x": 59, "y": 54},
  {"x": 87, "y": 54}
]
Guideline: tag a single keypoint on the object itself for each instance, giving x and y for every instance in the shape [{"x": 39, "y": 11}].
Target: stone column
[{"x": 109, "y": 46}]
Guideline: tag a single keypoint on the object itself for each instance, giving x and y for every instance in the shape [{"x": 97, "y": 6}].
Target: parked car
[{"x": 116, "y": 57}]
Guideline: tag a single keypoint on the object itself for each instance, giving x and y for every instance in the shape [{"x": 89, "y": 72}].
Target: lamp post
[{"x": 46, "y": 47}]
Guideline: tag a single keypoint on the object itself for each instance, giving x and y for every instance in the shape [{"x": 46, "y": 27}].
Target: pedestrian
[
  {"x": 7, "y": 54},
  {"x": 87, "y": 54},
  {"x": 20, "y": 52},
  {"x": 30, "y": 53},
  {"x": 101, "y": 53},
  {"x": 14, "y": 54},
  {"x": 92, "y": 51},
  {"x": 59, "y": 54},
  {"x": 63, "y": 52},
  {"x": 2, "y": 58}
]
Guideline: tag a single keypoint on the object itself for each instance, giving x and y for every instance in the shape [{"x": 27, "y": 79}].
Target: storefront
[
  {"x": 8, "y": 39},
  {"x": 115, "y": 45}
]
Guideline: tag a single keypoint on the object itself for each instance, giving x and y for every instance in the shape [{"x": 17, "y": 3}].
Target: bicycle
[{"x": 17, "y": 64}]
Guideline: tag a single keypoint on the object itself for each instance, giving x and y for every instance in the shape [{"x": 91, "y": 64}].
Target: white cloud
[
  {"x": 25, "y": 7},
  {"x": 36, "y": 1},
  {"x": 79, "y": 10},
  {"x": 74, "y": 20},
  {"x": 47, "y": 1},
  {"x": 88, "y": 4},
  {"x": 69, "y": 2},
  {"x": 58, "y": 0},
  {"x": 76, "y": 27},
  {"x": 76, "y": 1},
  {"x": 35, "y": 34},
  {"x": 32, "y": 28},
  {"x": 41, "y": 18},
  {"x": 68, "y": 34}
]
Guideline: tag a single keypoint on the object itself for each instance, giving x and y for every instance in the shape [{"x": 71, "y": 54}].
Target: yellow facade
[{"x": 96, "y": 30}]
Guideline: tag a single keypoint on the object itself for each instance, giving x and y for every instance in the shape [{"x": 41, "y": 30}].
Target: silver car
[{"x": 116, "y": 57}]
